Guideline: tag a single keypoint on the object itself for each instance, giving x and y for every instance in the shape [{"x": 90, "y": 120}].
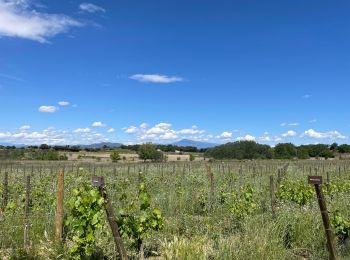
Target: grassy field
[{"x": 218, "y": 210}]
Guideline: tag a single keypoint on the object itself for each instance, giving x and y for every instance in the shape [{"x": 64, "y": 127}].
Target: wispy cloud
[
  {"x": 91, "y": 8},
  {"x": 63, "y": 103},
  {"x": 18, "y": 20},
  {"x": 156, "y": 78},
  {"x": 289, "y": 124},
  {"x": 307, "y": 96},
  {"x": 6, "y": 76}
]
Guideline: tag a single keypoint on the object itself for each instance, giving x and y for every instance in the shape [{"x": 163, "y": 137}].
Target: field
[{"x": 217, "y": 210}]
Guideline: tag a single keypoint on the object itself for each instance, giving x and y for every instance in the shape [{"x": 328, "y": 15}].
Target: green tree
[
  {"x": 285, "y": 151},
  {"x": 148, "y": 151},
  {"x": 115, "y": 157},
  {"x": 302, "y": 153}
]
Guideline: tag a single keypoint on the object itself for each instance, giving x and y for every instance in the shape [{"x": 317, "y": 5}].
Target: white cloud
[
  {"x": 323, "y": 135},
  {"x": 159, "y": 128},
  {"x": 313, "y": 121},
  {"x": 193, "y": 130},
  {"x": 168, "y": 136},
  {"x": 111, "y": 130},
  {"x": 18, "y": 20},
  {"x": 246, "y": 138},
  {"x": 82, "y": 130},
  {"x": 144, "y": 126},
  {"x": 155, "y": 78},
  {"x": 130, "y": 130},
  {"x": 24, "y": 128},
  {"x": 63, "y": 103},
  {"x": 289, "y": 133},
  {"x": 98, "y": 124},
  {"x": 290, "y": 124},
  {"x": 226, "y": 135},
  {"x": 91, "y": 8},
  {"x": 48, "y": 109},
  {"x": 54, "y": 136},
  {"x": 163, "y": 131}
]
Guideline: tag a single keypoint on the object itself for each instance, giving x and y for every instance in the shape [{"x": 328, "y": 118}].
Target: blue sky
[{"x": 135, "y": 71}]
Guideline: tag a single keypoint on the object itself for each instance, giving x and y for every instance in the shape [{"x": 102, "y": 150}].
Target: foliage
[
  {"x": 135, "y": 223},
  {"x": 341, "y": 226},
  {"x": 285, "y": 151},
  {"x": 115, "y": 157},
  {"x": 240, "y": 150},
  {"x": 85, "y": 210},
  {"x": 148, "y": 151},
  {"x": 296, "y": 191}
]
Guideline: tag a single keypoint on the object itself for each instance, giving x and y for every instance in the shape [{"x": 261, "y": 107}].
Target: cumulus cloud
[
  {"x": 63, "y": 103},
  {"x": 226, "y": 135},
  {"x": 48, "y": 109},
  {"x": 130, "y": 130},
  {"x": 111, "y": 130},
  {"x": 168, "y": 136},
  {"x": 163, "y": 131},
  {"x": 155, "y": 78},
  {"x": 91, "y": 8},
  {"x": 24, "y": 128},
  {"x": 324, "y": 135},
  {"x": 289, "y": 133},
  {"x": 98, "y": 124},
  {"x": 82, "y": 130},
  {"x": 246, "y": 138},
  {"x": 17, "y": 19},
  {"x": 53, "y": 136},
  {"x": 193, "y": 130}
]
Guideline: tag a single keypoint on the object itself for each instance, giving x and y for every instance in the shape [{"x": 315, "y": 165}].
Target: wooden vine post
[
  {"x": 272, "y": 196},
  {"x": 5, "y": 191},
  {"x": 317, "y": 182},
  {"x": 26, "y": 215},
  {"x": 98, "y": 182},
  {"x": 59, "y": 209}
]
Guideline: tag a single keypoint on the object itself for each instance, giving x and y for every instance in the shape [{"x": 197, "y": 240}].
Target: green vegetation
[
  {"x": 252, "y": 150},
  {"x": 149, "y": 151},
  {"x": 177, "y": 210},
  {"x": 115, "y": 157}
]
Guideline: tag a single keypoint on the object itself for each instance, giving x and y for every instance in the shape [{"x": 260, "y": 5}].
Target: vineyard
[{"x": 180, "y": 210}]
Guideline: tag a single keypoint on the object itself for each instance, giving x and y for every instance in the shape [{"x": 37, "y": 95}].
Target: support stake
[{"x": 317, "y": 182}]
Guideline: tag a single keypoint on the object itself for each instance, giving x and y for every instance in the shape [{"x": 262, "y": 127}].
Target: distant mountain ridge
[{"x": 197, "y": 144}]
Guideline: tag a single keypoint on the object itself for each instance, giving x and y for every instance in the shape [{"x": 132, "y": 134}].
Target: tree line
[{"x": 251, "y": 150}]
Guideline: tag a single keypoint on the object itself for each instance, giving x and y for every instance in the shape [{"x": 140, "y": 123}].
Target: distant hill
[
  {"x": 101, "y": 145},
  {"x": 16, "y": 145},
  {"x": 198, "y": 144}
]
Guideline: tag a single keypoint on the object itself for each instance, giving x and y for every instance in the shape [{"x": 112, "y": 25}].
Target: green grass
[{"x": 198, "y": 224}]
